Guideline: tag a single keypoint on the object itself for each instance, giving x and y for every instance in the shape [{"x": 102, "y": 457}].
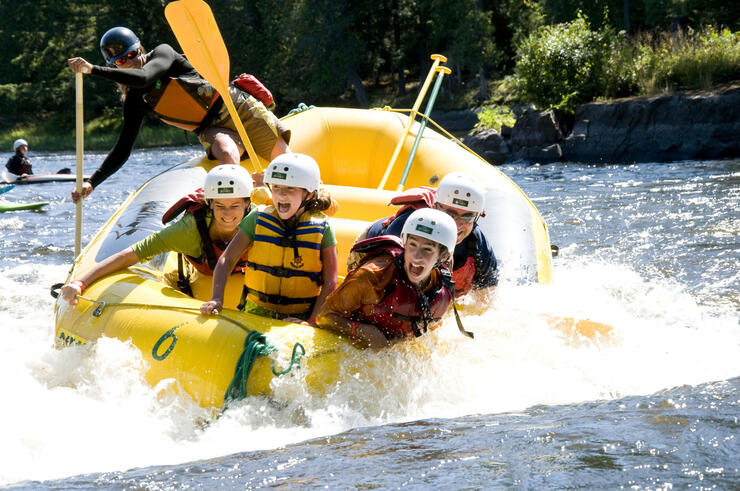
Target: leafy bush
[
  {"x": 563, "y": 65},
  {"x": 686, "y": 60},
  {"x": 494, "y": 116}
]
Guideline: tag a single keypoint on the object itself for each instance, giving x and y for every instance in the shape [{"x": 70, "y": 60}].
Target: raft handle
[
  {"x": 53, "y": 289},
  {"x": 99, "y": 309}
]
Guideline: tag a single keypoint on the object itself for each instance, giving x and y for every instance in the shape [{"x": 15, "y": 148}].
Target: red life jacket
[
  {"x": 195, "y": 204},
  {"x": 252, "y": 85},
  {"x": 412, "y": 199},
  {"x": 423, "y": 197},
  {"x": 404, "y": 309}
]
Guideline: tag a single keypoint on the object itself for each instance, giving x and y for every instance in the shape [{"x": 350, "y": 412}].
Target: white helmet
[
  {"x": 460, "y": 190},
  {"x": 432, "y": 224},
  {"x": 228, "y": 181},
  {"x": 18, "y": 143},
  {"x": 294, "y": 169}
]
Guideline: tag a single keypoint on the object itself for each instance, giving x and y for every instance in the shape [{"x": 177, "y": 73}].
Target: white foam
[{"x": 89, "y": 409}]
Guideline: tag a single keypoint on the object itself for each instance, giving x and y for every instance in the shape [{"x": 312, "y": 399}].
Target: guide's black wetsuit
[{"x": 161, "y": 63}]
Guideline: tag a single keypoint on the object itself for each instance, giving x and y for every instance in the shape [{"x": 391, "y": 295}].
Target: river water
[{"x": 651, "y": 249}]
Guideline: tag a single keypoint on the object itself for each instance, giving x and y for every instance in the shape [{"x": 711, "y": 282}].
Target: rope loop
[
  {"x": 295, "y": 360},
  {"x": 300, "y": 108}
]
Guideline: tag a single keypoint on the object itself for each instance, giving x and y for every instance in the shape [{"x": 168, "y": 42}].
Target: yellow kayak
[{"x": 353, "y": 148}]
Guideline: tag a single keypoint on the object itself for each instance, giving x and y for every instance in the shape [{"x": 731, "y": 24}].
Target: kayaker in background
[
  {"x": 463, "y": 199},
  {"x": 19, "y": 164},
  {"x": 401, "y": 287},
  {"x": 291, "y": 248},
  {"x": 163, "y": 81},
  {"x": 212, "y": 215}
]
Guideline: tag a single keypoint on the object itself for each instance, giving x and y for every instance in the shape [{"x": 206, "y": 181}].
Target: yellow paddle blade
[
  {"x": 200, "y": 39},
  {"x": 584, "y": 327},
  {"x": 197, "y": 32}
]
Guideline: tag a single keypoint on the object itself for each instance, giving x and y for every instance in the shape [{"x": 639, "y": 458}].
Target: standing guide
[{"x": 163, "y": 81}]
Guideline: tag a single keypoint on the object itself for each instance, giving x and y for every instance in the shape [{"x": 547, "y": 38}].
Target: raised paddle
[
  {"x": 79, "y": 144},
  {"x": 197, "y": 32}
]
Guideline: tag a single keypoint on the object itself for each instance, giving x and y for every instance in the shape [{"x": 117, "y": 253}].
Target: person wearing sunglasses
[
  {"x": 163, "y": 81},
  {"x": 463, "y": 199}
]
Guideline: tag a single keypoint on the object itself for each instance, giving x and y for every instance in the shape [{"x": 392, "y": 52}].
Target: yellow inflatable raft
[{"x": 353, "y": 148}]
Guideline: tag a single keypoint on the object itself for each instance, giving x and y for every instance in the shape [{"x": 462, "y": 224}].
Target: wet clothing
[
  {"x": 166, "y": 78},
  {"x": 284, "y": 271},
  {"x": 19, "y": 164},
  {"x": 472, "y": 254},
  {"x": 378, "y": 293}
]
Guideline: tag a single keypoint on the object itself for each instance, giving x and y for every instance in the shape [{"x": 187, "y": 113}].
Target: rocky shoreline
[{"x": 682, "y": 126}]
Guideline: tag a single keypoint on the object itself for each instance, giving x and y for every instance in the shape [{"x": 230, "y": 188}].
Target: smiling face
[
  {"x": 420, "y": 257},
  {"x": 23, "y": 149},
  {"x": 288, "y": 200},
  {"x": 227, "y": 213},
  {"x": 464, "y": 220}
]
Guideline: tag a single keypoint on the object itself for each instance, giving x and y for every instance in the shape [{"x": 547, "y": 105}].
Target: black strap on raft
[
  {"x": 53, "y": 289},
  {"x": 183, "y": 280},
  {"x": 447, "y": 280}
]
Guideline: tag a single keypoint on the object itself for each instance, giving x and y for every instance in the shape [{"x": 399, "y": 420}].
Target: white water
[{"x": 88, "y": 409}]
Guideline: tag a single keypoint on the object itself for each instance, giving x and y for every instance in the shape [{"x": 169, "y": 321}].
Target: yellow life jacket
[
  {"x": 182, "y": 101},
  {"x": 284, "y": 270}
]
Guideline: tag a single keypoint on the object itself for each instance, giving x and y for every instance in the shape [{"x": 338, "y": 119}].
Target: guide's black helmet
[{"x": 118, "y": 42}]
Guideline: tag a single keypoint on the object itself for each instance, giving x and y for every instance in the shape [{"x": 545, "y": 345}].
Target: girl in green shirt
[{"x": 227, "y": 194}]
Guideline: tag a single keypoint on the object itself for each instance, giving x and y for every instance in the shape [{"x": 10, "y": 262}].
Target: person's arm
[
  {"x": 224, "y": 267},
  {"x": 120, "y": 260},
  {"x": 362, "y": 335},
  {"x": 158, "y": 63},
  {"x": 365, "y": 286},
  {"x": 329, "y": 264}
]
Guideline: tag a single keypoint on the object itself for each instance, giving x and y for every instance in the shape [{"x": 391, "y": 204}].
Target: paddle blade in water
[{"x": 197, "y": 32}]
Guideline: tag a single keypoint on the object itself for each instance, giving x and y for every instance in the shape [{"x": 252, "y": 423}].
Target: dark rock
[
  {"x": 541, "y": 155},
  {"x": 456, "y": 121},
  {"x": 657, "y": 129},
  {"x": 505, "y": 131},
  {"x": 489, "y": 139},
  {"x": 490, "y": 145},
  {"x": 534, "y": 129},
  {"x": 688, "y": 126}
]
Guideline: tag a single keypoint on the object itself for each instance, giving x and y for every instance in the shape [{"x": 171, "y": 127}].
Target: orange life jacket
[{"x": 182, "y": 101}]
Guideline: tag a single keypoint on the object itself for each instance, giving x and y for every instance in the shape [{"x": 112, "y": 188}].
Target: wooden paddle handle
[{"x": 79, "y": 144}]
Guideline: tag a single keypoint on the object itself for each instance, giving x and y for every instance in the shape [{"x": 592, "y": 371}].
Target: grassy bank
[{"x": 57, "y": 134}]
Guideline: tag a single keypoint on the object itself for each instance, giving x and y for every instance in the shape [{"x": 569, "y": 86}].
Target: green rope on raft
[
  {"x": 300, "y": 108},
  {"x": 255, "y": 346}
]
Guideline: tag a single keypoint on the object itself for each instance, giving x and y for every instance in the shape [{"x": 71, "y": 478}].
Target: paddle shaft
[
  {"x": 412, "y": 117},
  {"x": 430, "y": 104},
  {"x": 195, "y": 28},
  {"x": 79, "y": 133}
]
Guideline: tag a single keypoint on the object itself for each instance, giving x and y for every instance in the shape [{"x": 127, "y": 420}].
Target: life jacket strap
[
  {"x": 205, "y": 237},
  {"x": 280, "y": 272},
  {"x": 277, "y": 299}
]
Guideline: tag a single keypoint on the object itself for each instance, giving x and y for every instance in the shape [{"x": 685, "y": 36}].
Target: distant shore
[{"x": 696, "y": 125}]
